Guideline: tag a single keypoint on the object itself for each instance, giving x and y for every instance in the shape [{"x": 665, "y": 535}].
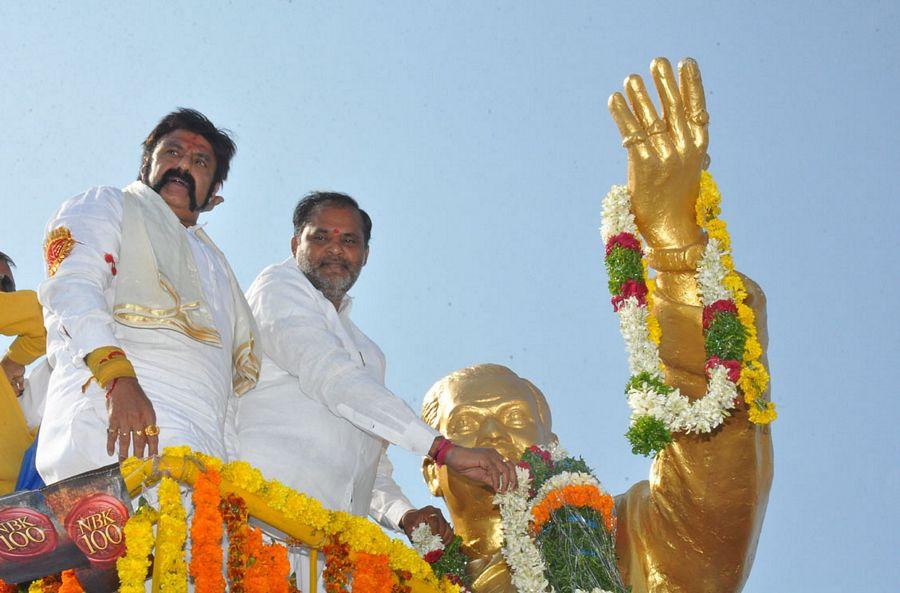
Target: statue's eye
[
  {"x": 516, "y": 418},
  {"x": 463, "y": 424}
]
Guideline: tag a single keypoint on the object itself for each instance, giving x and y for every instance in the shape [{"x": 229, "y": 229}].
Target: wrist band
[
  {"x": 109, "y": 363},
  {"x": 682, "y": 259},
  {"x": 441, "y": 453}
]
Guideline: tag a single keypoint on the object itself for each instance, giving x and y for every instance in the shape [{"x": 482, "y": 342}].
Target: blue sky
[{"x": 477, "y": 136}]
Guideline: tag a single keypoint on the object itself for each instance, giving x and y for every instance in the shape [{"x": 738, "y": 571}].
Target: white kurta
[
  {"x": 320, "y": 417},
  {"x": 187, "y": 381}
]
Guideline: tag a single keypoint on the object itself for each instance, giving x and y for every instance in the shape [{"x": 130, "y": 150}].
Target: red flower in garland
[
  {"x": 433, "y": 556},
  {"x": 733, "y": 366},
  {"x": 709, "y": 312},
  {"x": 630, "y": 288},
  {"x": 625, "y": 241}
]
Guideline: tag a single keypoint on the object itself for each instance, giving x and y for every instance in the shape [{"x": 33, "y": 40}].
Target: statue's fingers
[
  {"x": 694, "y": 102},
  {"x": 670, "y": 99},
  {"x": 633, "y": 136},
  {"x": 656, "y": 129}
]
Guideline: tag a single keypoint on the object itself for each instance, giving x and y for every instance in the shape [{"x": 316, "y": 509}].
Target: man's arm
[
  {"x": 80, "y": 249},
  {"x": 694, "y": 526},
  {"x": 21, "y": 317},
  {"x": 297, "y": 337}
]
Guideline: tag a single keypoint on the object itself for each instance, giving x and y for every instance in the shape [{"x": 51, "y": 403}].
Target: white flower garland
[
  {"x": 519, "y": 551},
  {"x": 423, "y": 541},
  {"x": 675, "y": 410}
]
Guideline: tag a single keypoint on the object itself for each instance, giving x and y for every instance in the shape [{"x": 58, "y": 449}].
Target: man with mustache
[
  {"x": 149, "y": 333},
  {"x": 321, "y": 418}
]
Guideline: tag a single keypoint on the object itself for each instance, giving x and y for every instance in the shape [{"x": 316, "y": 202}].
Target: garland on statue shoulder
[
  {"x": 732, "y": 346},
  {"x": 446, "y": 560},
  {"x": 559, "y": 527}
]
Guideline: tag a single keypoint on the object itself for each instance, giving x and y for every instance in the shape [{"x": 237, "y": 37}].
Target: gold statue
[{"x": 693, "y": 527}]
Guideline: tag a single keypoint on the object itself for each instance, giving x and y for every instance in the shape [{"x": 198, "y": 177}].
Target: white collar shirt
[{"x": 320, "y": 417}]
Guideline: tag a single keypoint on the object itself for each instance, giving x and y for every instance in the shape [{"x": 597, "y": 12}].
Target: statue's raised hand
[{"x": 665, "y": 154}]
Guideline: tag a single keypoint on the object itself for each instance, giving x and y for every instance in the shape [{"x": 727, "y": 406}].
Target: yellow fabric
[
  {"x": 105, "y": 369},
  {"x": 20, "y": 315}
]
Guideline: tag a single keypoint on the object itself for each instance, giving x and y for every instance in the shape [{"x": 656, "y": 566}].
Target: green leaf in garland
[
  {"x": 726, "y": 337},
  {"x": 648, "y": 436},
  {"x": 643, "y": 380},
  {"x": 622, "y": 265}
]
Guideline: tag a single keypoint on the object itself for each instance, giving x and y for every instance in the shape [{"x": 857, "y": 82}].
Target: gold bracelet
[{"x": 682, "y": 259}]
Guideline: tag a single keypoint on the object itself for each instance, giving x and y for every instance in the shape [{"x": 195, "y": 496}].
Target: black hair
[
  {"x": 192, "y": 121},
  {"x": 308, "y": 204}
]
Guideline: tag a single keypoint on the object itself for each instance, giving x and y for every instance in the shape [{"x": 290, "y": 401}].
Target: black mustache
[
  {"x": 328, "y": 262},
  {"x": 185, "y": 176}
]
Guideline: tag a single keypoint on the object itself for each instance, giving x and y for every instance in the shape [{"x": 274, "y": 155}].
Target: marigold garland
[
  {"x": 206, "y": 534},
  {"x": 133, "y": 566},
  {"x": 337, "y": 567},
  {"x": 234, "y": 513},
  {"x": 575, "y": 496},
  {"x": 371, "y": 574},
  {"x": 7, "y": 588},
  {"x": 171, "y": 535},
  {"x": 732, "y": 346}
]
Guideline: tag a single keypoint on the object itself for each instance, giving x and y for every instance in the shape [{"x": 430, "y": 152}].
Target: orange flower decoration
[
  {"x": 206, "y": 535},
  {"x": 575, "y": 496},
  {"x": 372, "y": 574},
  {"x": 70, "y": 583}
]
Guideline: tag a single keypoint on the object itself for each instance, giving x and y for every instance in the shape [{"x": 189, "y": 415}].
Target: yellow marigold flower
[
  {"x": 734, "y": 283},
  {"x": 752, "y": 349},
  {"x": 754, "y": 380},
  {"x": 716, "y": 229},
  {"x": 746, "y": 316},
  {"x": 653, "y": 329},
  {"x": 727, "y": 262},
  {"x": 763, "y": 416},
  {"x": 709, "y": 199}
]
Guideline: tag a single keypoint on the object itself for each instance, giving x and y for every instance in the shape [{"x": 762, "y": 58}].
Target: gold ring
[
  {"x": 700, "y": 117},
  {"x": 657, "y": 127},
  {"x": 111, "y": 430},
  {"x": 632, "y": 139},
  {"x": 151, "y": 430},
  {"x": 124, "y": 434},
  {"x": 139, "y": 433}
]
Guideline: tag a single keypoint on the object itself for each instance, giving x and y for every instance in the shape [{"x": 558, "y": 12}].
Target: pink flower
[
  {"x": 433, "y": 556},
  {"x": 709, "y": 312},
  {"x": 733, "y": 366},
  {"x": 624, "y": 240},
  {"x": 630, "y": 288}
]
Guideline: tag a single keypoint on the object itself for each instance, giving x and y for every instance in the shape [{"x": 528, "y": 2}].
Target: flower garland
[
  {"x": 337, "y": 567},
  {"x": 7, "y": 588},
  {"x": 558, "y": 504},
  {"x": 732, "y": 346},
  {"x": 206, "y": 534},
  {"x": 371, "y": 574},
  {"x": 447, "y": 560},
  {"x": 171, "y": 534},
  {"x": 133, "y": 566},
  {"x": 234, "y": 513}
]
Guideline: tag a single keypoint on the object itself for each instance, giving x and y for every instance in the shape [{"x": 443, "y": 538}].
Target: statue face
[
  {"x": 488, "y": 408},
  {"x": 492, "y": 411}
]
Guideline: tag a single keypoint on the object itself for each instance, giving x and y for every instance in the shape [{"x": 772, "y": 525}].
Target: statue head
[{"x": 486, "y": 405}]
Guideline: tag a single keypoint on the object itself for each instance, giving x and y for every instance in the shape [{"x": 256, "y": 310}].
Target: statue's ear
[{"x": 430, "y": 473}]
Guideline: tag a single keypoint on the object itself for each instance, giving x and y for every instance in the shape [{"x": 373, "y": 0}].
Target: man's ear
[
  {"x": 430, "y": 473},
  {"x": 365, "y": 255},
  {"x": 214, "y": 201},
  {"x": 294, "y": 243}
]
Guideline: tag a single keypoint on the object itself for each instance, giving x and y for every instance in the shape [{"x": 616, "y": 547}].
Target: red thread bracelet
[
  {"x": 112, "y": 386},
  {"x": 442, "y": 450}
]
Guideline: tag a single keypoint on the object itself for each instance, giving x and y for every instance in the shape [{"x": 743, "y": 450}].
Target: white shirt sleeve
[
  {"x": 296, "y": 335},
  {"x": 75, "y": 296},
  {"x": 388, "y": 502}
]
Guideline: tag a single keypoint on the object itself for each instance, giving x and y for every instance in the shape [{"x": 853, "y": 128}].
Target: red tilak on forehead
[{"x": 335, "y": 231}]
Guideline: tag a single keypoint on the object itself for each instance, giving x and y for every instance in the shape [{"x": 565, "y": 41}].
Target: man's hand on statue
[
  {"x": 431, "y": 516},
  {"x": 665, "y": 154},
  {"x": 483, "y": 465},
  {"x": 130, "y": 416},
  {"x": 15, "y": 374}
]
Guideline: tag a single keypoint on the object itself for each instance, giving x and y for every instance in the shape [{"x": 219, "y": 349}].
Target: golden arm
[{"x": 695, "y": 524}]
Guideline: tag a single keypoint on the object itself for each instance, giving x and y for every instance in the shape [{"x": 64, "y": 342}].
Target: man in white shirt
[
  {"x": 321, "y": 418},
  {"x": 148, "y": 332}
]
